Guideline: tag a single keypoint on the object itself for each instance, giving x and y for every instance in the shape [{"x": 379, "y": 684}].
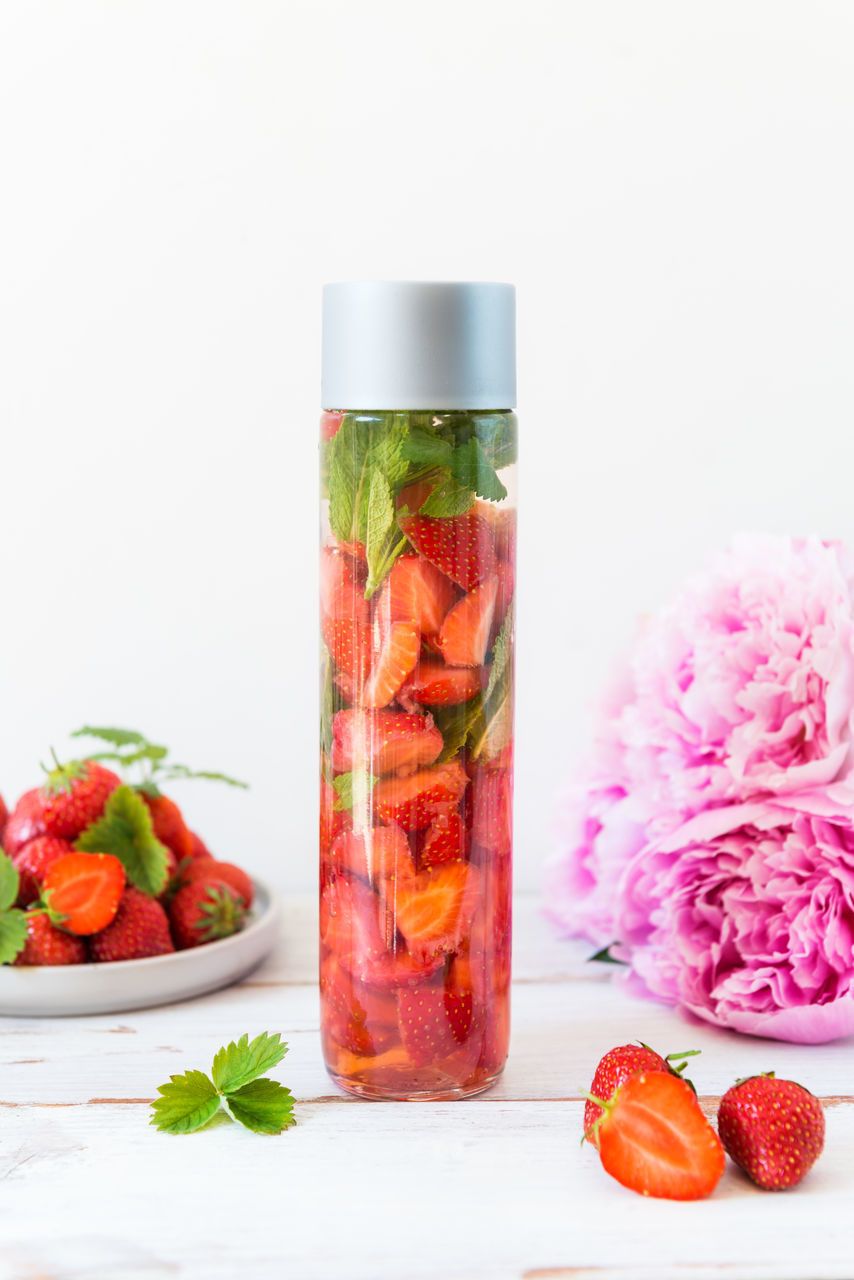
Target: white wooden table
[{"x": 494, "y": 1187}]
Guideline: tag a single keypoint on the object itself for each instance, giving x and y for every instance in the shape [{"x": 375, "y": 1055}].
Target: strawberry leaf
[
  {"x": 125, "y": 830},
  {"x": 186, "y": 1104},
  {"x": 9, "y": 881},
  {"x": 264, "y": 1106},
  {"x": 242, "y": 1061},
  {"x": 471, "y": 468},
  {"x": 448, "y": 499},
  {"x": 13, "y": 934}
]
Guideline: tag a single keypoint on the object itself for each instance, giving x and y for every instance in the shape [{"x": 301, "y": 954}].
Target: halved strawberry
[
  {"x": 464, "y": 635},
  {"x": 492, "y": 805},
  {"x": 434, "y": 684},
  {"x": 342, "y": 588},
  {"x": 414, "y": 801},
  {"x": 445, "y": 840},
  {"x": 434, "y": 910},
  {"x": 398, "y": 655},
  {"x": 461, "y": 546},
  {"x": 82, "y": 891},
  {"x": 416, "y": 592},
  {"x": 374, "y": 854},
  {"x": 383, "y": 741}
]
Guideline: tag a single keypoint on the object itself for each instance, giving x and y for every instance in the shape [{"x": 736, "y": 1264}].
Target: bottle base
[{"x": 386, "y": 1093}]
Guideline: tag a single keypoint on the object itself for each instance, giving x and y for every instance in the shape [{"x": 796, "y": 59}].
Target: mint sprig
[
  {"x": 125, "y": 830},
  {"x": 352, "y": 789},
  {"x": 131, "y": 748},
  {"x": 13, "y": 921},
  {"x": 235, "y": 1088}
]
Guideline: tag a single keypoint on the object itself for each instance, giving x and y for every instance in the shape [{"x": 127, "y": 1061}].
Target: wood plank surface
[{"x": 497, "y": 1186}]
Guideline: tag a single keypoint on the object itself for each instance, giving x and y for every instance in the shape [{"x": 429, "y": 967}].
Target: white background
[{"x": 668, "y": 184}]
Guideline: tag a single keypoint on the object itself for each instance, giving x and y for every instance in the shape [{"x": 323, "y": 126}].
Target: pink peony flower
[
  {"x": 740, "y": 690},
  {"x": 745, "y": 917}
]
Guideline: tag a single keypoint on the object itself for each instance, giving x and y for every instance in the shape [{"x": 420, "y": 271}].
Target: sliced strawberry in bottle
[
  {"x": 434, "y": 910},
  {"x": 461, "y": 546},
  {"x": 342, "y": 588},
  {"x": 464, "y": 635},
  {"x": 434, "y": 684},
  {"x": 492, "y": 810},
  {"x": 383, "y": 741},
  {"x": 398, "y": 655},
  {"x": 506, "y": 587},
  {"x": 349, "y": 642},
  {"x": 374, "y": 853},
  {"x": 445, "y": 840},
  {"x": 415, "y": 800},
  {"x": 418, "y": 593},
  {"x": 425, "y": 1027}
]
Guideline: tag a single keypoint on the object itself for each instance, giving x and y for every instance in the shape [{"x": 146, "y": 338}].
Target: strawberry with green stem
[
  {"x": 619, "y": 1065},
  {"x": 205, "y": 910}
]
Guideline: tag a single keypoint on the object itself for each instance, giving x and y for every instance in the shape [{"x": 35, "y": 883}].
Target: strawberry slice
[
  {"x": 82, "y": 891},
  {"x": 383, "y": 741},
  {"x": 434, "y": 684},
  {"x": 506, "y": 587},
  {"x": 418, "y": 593},
  {"x": 654, "y": 1139},
  {"x": 492, "y": 806},
  {"x": 445, "y": 840},
  {"x": 434, "y": 911},
  {"x": 502, "y": 522},
  {"x": 461, "y": 546},
  {"x": 374, "y": 854},
  {"x": 349, "y": 642},
  {"x": 342, "y": 588},
  {"x": 464, "y": 635},
  {"x": 414, "y": 801},
  {"x": 329, "y": 424},
  {"x": 397, "y": 657},
  {"x": 425, "y": 1027},
  {"x": 346, "y": 996},
  {"x": 358, "y": 930}
]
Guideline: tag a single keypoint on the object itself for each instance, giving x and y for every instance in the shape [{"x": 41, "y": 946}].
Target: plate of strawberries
[{"x": 108, "y": 901}]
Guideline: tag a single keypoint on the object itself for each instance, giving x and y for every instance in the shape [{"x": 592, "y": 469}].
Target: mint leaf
[
  {"x": 187, "y": 1103},
  {"x": 448, "y": 499},
  {"x": 116, "y": 737},
  {"x": 125, "y": 830},
  {"x": 454, "y": 724},
  {"x": 383, "y": 539},
  {"x": 364, "y": 443},
  {"x": 471, "y": 468},
  {"x": 264, "y": 1106},
  {"x": 239, "y": 1063},
  {"x": 327, "y": 701},
  {"x": 13, "y": 934},
  {"x": 502, "y": 650},
  {"x": 425, "y": 451},
  {"x": 9, "y": 881},
  {"x": 351, "y": 789},
  {"x": 497, "y": 435},
  {"x": 493, "y": 729}
]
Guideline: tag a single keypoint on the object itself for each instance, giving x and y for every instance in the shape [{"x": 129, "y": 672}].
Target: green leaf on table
[
  {"x": 245, "y": 1060},
  {"x": 9, "y": 881},
  {"x": 604, "y": 957},
  {"x": 187, "y": 1103},
  {"x": 264, "y": 1106},
  {"x": 125, "y": 830}
]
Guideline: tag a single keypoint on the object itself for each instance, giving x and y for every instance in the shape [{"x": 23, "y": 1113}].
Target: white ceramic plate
[{"x": 62, "y": 990}]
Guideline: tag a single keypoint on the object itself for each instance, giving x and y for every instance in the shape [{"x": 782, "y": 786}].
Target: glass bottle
[{"x": 417, "y": 583}]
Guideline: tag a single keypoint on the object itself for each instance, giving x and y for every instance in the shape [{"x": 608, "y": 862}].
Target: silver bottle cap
[{"x": 415, "y": 345}]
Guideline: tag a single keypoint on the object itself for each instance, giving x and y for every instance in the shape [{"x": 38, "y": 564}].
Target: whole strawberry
[
  {"x": 200, "y": 849},
  {"x": 73, "y": 797},
  {"x": 140, "y": 928},
  {"x": 619, "y": 1065},
  {"x": 773, "y": 1130},
  {"x": 24, "y": 823},
  {"x": 47, "y": 945},
  {"x": 169, "y": 825},
  {"x": 32, "y": 863},
  {"x": 236, "y": 877},
  {"x": 204, "y": 911}
]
